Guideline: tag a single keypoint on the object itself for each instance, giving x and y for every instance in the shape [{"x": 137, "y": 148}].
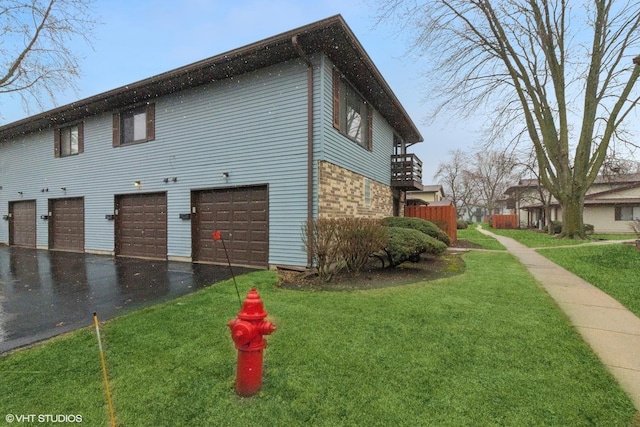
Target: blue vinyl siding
[{"x": 253, "y": 126}]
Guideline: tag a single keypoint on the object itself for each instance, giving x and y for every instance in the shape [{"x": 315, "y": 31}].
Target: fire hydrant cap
[{"x": 252, "y": 308}]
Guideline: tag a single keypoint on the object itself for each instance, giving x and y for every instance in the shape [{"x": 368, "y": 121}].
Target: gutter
[{"x": 305, "y": 58}]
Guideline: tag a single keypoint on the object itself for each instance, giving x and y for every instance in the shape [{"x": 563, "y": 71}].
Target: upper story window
[
  {"x": 68, "y": 140},
  {"x": 134, "y": 125},
  {"x": 352, "y": 115}
]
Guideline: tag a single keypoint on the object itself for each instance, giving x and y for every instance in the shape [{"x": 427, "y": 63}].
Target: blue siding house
[{"x": 252, "y": 142}]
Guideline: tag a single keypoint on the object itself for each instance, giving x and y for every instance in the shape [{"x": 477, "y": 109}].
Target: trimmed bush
[
  {"x": 406, "y": 244},
  {"x": 358, "y": 238},
  {"x": 462, "y": 224},
  {"x": 421, "y": 225}
]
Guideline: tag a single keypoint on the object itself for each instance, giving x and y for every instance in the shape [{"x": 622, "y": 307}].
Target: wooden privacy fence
[
  {"x": 505, "y": 221},
  {"x": 443, "y": 216}
]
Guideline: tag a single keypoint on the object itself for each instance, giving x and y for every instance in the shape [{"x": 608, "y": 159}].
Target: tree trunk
[
  {"x": 547, "y": 217},
  {"x": 572, "y": 223}
]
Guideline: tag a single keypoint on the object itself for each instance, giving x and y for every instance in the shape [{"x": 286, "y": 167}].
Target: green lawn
[
  {"x": 612, "y": 236},
  {"x": 535, "y": 239},
  {"x": 484, "y": 348},
  {"x": 613, "y": 268},
  {"x": 474, "y": 236}
]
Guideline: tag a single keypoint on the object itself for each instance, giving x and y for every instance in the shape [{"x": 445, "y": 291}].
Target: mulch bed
[{"x": 374, "y": 277}]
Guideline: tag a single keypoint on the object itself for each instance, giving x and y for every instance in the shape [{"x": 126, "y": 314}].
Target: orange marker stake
[{"x": 104, "y": 371}]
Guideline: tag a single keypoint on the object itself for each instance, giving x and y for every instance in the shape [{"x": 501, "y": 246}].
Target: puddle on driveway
[{"x": 45, "y": 293}]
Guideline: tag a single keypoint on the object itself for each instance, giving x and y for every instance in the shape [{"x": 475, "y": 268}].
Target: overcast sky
[{"x": 139, "y": 39}]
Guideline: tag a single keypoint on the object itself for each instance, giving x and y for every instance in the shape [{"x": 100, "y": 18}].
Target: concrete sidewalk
[{"x": 612, "y": 331}]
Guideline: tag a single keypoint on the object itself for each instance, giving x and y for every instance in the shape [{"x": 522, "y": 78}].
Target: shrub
[
  {"x": 348, "y": 243},
  {"x": 320, "y": 240},
  {"x": 407, "y": 244},
  {"x": 462, "y": 224},
  {"x": 425, "y": 227},
  {"x": 441, "y": 224},
  {"x": 557, "y": 227},
  {"x": 358, "y": 238}
]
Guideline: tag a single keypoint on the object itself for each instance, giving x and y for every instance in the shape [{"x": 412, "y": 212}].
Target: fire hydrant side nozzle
[{"x": 247, "y": 332}]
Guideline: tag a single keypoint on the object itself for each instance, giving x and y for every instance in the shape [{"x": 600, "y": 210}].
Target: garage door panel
[
  {"x": 22, "y": 227},
  {"x": 66, "y": 224},
  {"x": 241, "y": 214},
  {"x": 141, "y": 225}
]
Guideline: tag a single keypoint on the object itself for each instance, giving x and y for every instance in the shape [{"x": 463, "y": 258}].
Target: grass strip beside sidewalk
[
  {"x": 472, "y": 235},
  {"x": 487, "y": 347},
  {"x": 612, "y": 268}
]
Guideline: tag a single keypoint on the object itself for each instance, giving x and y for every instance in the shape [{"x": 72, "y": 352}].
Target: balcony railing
[{"x": 406, "y": 172}]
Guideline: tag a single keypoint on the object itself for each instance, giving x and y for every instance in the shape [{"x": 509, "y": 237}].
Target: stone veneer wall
[{"x": 341, "y": 194}]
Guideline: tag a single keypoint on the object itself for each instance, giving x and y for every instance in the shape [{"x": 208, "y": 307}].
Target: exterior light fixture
[
  {"x": 225, "y": 175},
  {"x": 137, "y": 183},
  {"x": 20, "y": 193},
  {"x": 63, "y": 188},
  {"x": 165, "y": 180},
  {"x": 174, "y": 179}
]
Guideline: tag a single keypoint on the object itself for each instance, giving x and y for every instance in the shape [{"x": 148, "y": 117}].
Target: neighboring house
[
  {"x": 428, "y": 194},
  {"x": 252, "y": 142},
  {"x": 611, "y": 203},
  {"x": 472, "y": 213}
]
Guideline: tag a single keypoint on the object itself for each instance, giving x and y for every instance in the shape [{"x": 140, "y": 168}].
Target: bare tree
[
  {"x": 36, "y": 47},
  {"x": 458, "y": 182},
  {"x": 451, "y": 174},
  {"x": 564, "y": 71},
  {"x": 492, "y": 173}
]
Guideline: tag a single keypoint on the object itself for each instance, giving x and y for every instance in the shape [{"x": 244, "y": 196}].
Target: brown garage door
[
  {"x": 242, "y": 215},
  {"x": 141, "y": 225},
  {"x": 66, "y": 224},
  {"x": 22, "y": 223}
]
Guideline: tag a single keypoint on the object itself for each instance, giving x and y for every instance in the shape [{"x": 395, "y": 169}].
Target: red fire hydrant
[{"x": 247, "y": 331}]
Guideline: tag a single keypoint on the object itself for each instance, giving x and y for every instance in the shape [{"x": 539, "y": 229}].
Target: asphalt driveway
[{"x": 46, "y": 293}]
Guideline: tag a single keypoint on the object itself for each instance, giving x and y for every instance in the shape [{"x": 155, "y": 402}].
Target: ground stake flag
[
  {"x": 104, "y": 371},
  {"x": 217, "y": 235}
]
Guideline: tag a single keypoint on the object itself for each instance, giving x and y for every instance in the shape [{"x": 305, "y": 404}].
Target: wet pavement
[{"x": 46, "y": 293}]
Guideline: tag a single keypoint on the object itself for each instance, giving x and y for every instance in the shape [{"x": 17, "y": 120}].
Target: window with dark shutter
[
  {"x": 336, "y": 99},
  {"x": 56, "y": 143},
  {"x": 134, "y": 125},
  {"x": 352, "y": 115},
  {"x": 116, "y": 129},
  {"x": 69, "y": 140}
]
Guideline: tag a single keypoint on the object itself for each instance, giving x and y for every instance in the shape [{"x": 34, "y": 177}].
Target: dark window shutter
[
  {"x": 56, "y": 143},
  {"x": 80, "y": 137},
  {"x": 116, "y": 129},
  {"x": 369, "y": 128},
  {"x": 336, "y": 99},
  {"x": 618, "y": 213},
  {"x": 151, "y": 122}
]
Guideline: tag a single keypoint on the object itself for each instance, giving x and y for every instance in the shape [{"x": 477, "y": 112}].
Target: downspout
[{"x": 305, "y": 58}]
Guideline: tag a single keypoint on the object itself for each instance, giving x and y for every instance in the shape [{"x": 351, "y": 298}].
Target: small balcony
[{"x": 406, "y": 172}]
